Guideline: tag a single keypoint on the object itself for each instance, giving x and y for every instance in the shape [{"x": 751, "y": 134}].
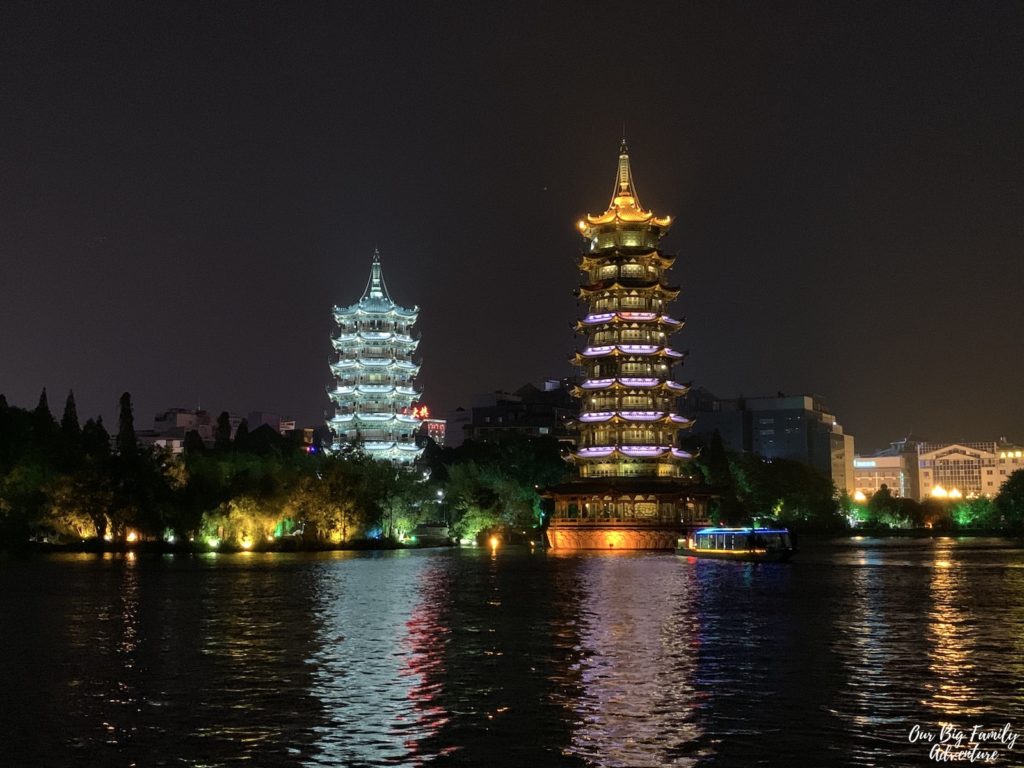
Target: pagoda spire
[
  {"x": 375, "y": 287},
  {"x": 624, "y": 193}
]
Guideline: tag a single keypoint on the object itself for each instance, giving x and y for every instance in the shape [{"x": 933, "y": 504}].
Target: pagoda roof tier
[
  {"x": 392, "y": 450},
  {"x": 374, "y": 389},
  {"x": 605, "y": 286},
  {"x": 625, "y": 350},
  {"x": 623, "y": 254},
  {"x": 374, "y": 419},
  {"x": 629, "y": 452},
  {"x": 352, "y": 367},
  {"x": 620, "y": 317},
  {"x": 624, "y": 208},
  {"x": 376, "y": 363},
  {"x": 398, "y": 348},
  {"x": 630, "y": 383},
  {"x": 360, "y": 310},
  {"x": 632, "y": 417},
  {"x": 375, "y": 337}
]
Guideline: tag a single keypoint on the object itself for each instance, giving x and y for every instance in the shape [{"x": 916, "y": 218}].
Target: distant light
[
  {"x": 955, "y": 494},
  {"x": 108, "y": 537},
  {"x": 493, "y": 541},
  {"x": 212, "y": 542},
  {"x": 132, "y": 537},
  {"x": 939, "y": 492},
  {"x": 859, "y": 496},
  {"x": 246, "y": 543}
]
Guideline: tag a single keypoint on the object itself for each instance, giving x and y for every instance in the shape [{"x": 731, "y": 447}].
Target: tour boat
[{"x": 756, "y": 544}]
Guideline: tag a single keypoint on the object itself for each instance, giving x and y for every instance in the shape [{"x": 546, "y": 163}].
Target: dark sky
[{"x": 185, "y": 190}]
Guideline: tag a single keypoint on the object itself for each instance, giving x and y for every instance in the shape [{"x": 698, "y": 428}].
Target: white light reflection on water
[{"x": 371, "y": 660}]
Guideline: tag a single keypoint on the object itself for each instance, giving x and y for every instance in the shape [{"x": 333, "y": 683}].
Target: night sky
[{"x": 186, "y": 190}]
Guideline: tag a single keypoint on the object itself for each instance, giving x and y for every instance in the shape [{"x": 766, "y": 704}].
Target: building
[
  {"x": 532, "y": 410},
  {"x": 968, "y": 469},
  {"x": 894, "y": 467},
  {"x": 630, "y": 492},
  {"x": 870, "y": 473},
  {"x": 434, "y": 429},
  {"x": 455, "y": 426},
  {"x": 171, "y": 426},
  {"x": 374, "y": 375},
  {"x": 799, "y": 428}
]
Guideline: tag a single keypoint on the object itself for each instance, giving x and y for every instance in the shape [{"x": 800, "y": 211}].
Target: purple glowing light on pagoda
[
  {"x": 597, "y": 416},
  {"x": 643, "y": 451},
  {"x": 640, "y": 349},
  {"x": 637, "y": 315},
  {"x": 680, "y": 454},
  {"x": 642, "y": 415},
  {"x": 597, "y": 351},
  {"x": 598, "y": 451},
  {"x": 597, "y": 383},
  {"x": 640, "y": 381}
]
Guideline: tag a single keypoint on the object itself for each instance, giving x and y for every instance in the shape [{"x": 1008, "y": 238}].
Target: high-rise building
[
  {"x": 799, "y": 428},
  {"x": 632, "y": 490},
  {"x": 374, "y": 375}
]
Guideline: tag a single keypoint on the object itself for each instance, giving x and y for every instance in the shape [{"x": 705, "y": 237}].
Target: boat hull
[{"x": 771, "y": 556}]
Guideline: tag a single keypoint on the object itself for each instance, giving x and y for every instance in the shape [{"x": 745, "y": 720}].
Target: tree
[
  {"x": 96, "y": 440},
  {"x": 222, "y": 434},
  {"x": 242, "y": 435},
  {"x": 1010, "y": 500},
  {"x": 69, "y": 421},
  {"x": 126, "y": 441}
]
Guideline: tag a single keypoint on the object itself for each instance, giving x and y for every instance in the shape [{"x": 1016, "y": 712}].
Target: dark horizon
[{"x": 188, "y": 190}]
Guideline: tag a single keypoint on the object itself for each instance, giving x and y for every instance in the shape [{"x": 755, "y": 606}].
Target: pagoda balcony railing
[{"x": 624, "y": 522}]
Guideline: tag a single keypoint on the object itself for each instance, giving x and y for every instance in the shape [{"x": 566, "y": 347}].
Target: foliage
[{"x": 1010, "y": 500}]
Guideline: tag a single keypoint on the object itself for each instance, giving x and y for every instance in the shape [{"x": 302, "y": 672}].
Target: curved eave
[
  {"x": 629, "y": 452},
  {"x": 627, "y": 214},
  {"x": 670, "y": 291},
  {"x": 639, "y": 319},
  {"x": 376, "y": 310},
  {"x": 632, "y": 417},
  {"x": 631, "y": 384}
]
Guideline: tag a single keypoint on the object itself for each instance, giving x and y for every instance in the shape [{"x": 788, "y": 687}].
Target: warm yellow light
[
  {"x": 939, "y": 492},
  {"x": 581, "y": 224},
  {"x": 955, "y": 494},
  {"x": 246, "y": 543},
  {"x": 859, "y": 496},
  {"x": 132, "y": 537},
  {"x": 493, "y": 541},
  {"x": 108, "y": 537}
]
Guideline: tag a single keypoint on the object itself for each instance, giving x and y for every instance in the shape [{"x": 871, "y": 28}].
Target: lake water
[{"x": 464, "y": 657}]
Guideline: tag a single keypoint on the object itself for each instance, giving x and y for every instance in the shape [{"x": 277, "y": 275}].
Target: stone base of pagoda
[{"x": 605, "y": 536}]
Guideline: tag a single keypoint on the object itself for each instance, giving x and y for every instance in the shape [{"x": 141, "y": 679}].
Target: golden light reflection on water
[{"x": 950, "y": 639}]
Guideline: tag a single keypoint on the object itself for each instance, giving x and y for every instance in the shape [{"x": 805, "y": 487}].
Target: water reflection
[
  {"x": 950, "y": 639},
  {"x": 508, "y": 659},
  {"x": 638, "y": 637}
]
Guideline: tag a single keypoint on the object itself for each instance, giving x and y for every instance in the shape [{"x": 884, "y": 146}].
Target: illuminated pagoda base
[
  {"x": 633, "y": 489},
  {"x": 624, "y": 513}
]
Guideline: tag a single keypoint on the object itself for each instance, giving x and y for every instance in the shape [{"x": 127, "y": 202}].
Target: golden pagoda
[{"x": 633, "y": 490}]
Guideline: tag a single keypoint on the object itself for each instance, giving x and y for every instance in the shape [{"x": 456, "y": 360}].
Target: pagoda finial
[
  {"x": 375, "y": 287},
  {"x": 624, "y": 193}
]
